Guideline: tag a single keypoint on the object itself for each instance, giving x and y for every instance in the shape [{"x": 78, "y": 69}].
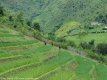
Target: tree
[
  {"x": 1, "y": 11},
  {"x": 36, "y": 26},
  {"x": 20, "y": 18},
  {"x": 28, "y": 23},
  {"x": 92, "y": 42},
  {"x": 88, "y": 45},
  {"x": 10, "y": 18},
  {"x": 56, "y": 28},
  {"x": 102, "y": 18},
  {"x": 102, "y": 48},
  {"x": 37, "y": 35},
  {"x": 51, "y": 36},
  {"x": 71, "y": 43}
]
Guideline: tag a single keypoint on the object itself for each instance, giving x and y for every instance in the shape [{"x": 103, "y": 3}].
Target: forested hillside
[
  {"x": 53, "y": 13},
  {"x": 53, "y": 39}
]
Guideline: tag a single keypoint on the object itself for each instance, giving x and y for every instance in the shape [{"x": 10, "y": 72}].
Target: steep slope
[
  {"x": 30, "y": 8},
  {"x": 22, "y": 57},
  {"x": 51, "y": 13}
]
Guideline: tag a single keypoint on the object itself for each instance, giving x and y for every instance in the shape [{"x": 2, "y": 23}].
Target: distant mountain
[{"x": 52, "y": 13}]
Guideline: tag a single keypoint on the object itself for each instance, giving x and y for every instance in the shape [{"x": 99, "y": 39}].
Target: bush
[
  {"x": 71, "y": 43},
  {"x": 28, "y": 23},
  {"x": 15, "y": 26},
  {"x": 60, "y": 40},
  {"x": 91, "y": 27},
  {"x": 1, "y": 11},
  {"x": 102, "y": 48},
  {"x": 51, "y": 36},
  {"x": 63, "y": 45},
  {"x": 84, "y": 45},
  {"x": 92, "y": 43},
  {"x": 88, "y": 45},
  {"x": 37, "y": 35},
  {"x": 100, "y": 58},
  {"x": 36, "y": 26},
  {"x": 10, "y": 18}
]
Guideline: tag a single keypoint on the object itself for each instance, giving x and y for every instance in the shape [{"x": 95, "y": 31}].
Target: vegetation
[
  {"x": 102, "y": 48},
  {"x": 33, "y": 59},
  {"x": 64, "y": 40},
  {"x": 36, "y": 26},
  {"x": 53, "y": 13},
  {"x": 67, "y": 28}
]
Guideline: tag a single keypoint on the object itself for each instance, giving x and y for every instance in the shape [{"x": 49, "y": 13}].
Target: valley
[{"x": 53, "y": 40}]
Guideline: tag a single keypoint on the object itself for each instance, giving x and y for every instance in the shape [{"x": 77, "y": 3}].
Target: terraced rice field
[{"x": 24, "y": 58}]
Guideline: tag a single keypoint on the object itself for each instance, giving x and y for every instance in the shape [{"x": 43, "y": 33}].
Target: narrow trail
[
  {"x": 69, "y": 49},
  {"x": 56, "y": 44}
]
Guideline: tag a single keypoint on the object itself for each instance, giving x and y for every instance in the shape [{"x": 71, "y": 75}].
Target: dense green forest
[{"x": 53, "y": 13}]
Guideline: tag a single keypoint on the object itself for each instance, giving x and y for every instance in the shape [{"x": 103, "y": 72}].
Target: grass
[
  {"x": 29, "y": 58},
  {"x": 100, "y": 72},
  {"x": 17, "y": 50},
  {"x": 6, "y": 44},
  {"x": 99, "y": 38},
  {"x": 63, "y": 31},
  {"x": 45, "y": 67},
  {"x": 83, "y": 69}
]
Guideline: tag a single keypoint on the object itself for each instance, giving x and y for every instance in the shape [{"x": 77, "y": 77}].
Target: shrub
[
  {"x": 92, "y": 42},
  {"x": 20, "y": 18},
  {"x": 37, "y": 35},
  {"x": 88, "y": 45},
  {"x": 1, "y": 11},
  {"x": 63, "y": 45},
  {"x": 10, "y": 18},
  {"x": 28, "y": 23},
  {"x": 84, "y": 45},
  {"x": 60, "y": 40},
  {"x": 91, "y": 27},
  {"x": 100, "y": 58},
  {"x": 36, "y": 26},
  {"x": 71, "y": 43},
  {"x": 102, "y": 48},
  {"x": 15, "y": 26},
  {"x": 51, "y": 36}
]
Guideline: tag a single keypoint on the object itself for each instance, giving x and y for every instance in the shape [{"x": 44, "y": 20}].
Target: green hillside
[
  {"x": 53, "y": 39},
  {"x": 67, "y": 28},
  {"x": 22, "y": 57},
  {"x": 52, "y": 13}
]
